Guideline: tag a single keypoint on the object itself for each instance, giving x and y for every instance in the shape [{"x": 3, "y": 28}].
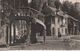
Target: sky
[
  {"x": 29, "y": 1},
  {"x": 73, "y": 1}
]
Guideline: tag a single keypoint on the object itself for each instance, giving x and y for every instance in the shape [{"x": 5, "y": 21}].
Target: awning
[{"x": 40, "y": 22}]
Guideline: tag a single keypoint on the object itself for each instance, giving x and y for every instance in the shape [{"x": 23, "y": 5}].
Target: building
[
  {"x": 63, "y": 24},
  {"x": 25, "y": 21}
]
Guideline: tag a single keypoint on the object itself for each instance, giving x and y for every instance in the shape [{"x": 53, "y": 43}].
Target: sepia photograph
[{"x": 39, "y": 24}]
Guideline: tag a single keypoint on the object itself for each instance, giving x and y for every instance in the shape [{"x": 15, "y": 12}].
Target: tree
[
  {"x": 71, "y": 9},
  {"x": 54, "y": 3},
  {"x": 51, "y": 3},
  {"x": 75, "y": 10},
  {"x": 35, "y": 4},
  {"x": 66, "y": 6},
  {"x": 57, "y": 4},
  {"x": 77, "y": 6}
]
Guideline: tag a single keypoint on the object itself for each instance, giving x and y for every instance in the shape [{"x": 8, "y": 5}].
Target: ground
[{"x": 51, "y": 44}]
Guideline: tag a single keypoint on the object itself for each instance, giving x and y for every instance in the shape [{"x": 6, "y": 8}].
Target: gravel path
[{"x": 50, "y": 45}]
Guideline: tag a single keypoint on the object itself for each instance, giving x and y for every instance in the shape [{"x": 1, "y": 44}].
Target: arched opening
[{"x": 17, "y": 31}]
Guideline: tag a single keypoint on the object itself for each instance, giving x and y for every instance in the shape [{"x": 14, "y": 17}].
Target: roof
[
  {"x": 53, "y": 9},
  {"x": 36, "y": 11},
  {"x": 73, "y": 18},
  {"x": 61, "y": 13},
  {"x": 40, "y": 22}
]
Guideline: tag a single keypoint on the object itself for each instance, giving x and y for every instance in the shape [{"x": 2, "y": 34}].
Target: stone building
[{"x": 24, "y": 20}]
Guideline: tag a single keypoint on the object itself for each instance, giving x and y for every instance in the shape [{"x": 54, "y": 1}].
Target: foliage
[{"x": 71, "y": 9}]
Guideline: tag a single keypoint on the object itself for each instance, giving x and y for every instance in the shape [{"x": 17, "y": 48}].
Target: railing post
[
  {"x": 44, "y": 36},
  {"x": 28, "y": 37}
]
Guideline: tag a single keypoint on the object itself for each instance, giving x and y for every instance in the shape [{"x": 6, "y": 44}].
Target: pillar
[
  {"x": 9, "y": 34},
  {"x": 29, "y": 32},
  {"x": 56, "y": 26},
  {"x": 67, "y": 21},
  {"x": 4, "y": 30},
  {"x": 12, "y": 33},
  {"x": 6, "y": 35},
  {"x": 14, "y": 36},
  {"x": 51, "y": 28}
]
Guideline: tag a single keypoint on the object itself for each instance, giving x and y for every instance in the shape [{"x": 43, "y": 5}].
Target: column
[
  {"x": 51, "y": 27},
  {"x": 67, "y": 22},
  {"x": 56, "y": 26},
  {"x": 28, "y": 27},
  {"x": 4, "y": 40},
  {"x": 14, "y": 33},
  {"x": 6, "y": 35},
  {"x": 9, "y": 35}
]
